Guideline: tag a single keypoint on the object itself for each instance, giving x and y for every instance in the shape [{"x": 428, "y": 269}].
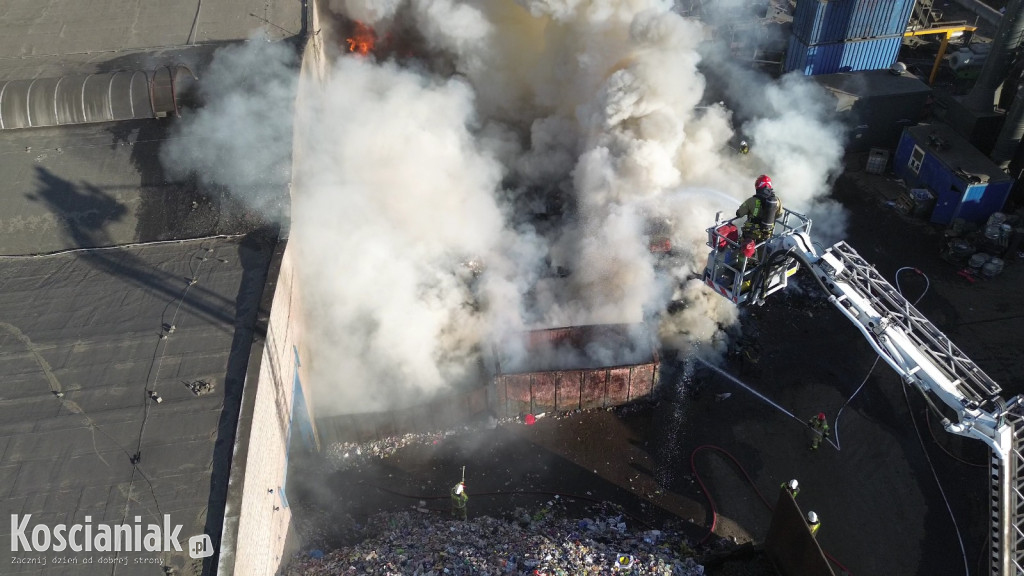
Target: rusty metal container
[{"x": 574, "y": 367}]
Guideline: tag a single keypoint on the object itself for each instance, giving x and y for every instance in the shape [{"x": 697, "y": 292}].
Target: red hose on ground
[
  {"x": 711, "y": 501},
  {"x": 707, "y": 493}
]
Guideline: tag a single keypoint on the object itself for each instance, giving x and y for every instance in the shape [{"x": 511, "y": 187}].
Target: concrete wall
[
  {"x": 257, "y": 518},
  {"x": 263, "y": 514}
]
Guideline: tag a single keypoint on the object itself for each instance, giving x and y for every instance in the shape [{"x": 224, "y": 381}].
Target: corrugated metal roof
[
  {"x": 826, "y": 21},
  {"x": 841, "y": 57},
  {"x": 87, "y": 98}
]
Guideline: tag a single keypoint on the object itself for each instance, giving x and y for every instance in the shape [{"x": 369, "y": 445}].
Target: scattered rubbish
[
  {"x": 340, "y": 455},
  {"x": 409, "y": 543},
  {"x": 199, "y": 387},
  {"x": 968, "y": 274},
  {"x": 723, "y": 396},
  {"x": 624, "y": 561}
]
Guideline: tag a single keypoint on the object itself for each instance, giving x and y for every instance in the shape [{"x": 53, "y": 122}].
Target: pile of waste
[{"x": 436, "y": 545}]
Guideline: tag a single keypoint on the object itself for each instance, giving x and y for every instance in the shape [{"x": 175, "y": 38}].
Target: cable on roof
[
  {"x": 120, "y": 246},
  {"x": 166, "y": 329}
]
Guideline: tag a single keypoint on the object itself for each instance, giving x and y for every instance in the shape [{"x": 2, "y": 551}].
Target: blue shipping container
[
  {"x": 935, "y": 157},
  {"x": 827, "y": 21},
  {"x": 841, "y": 57}
]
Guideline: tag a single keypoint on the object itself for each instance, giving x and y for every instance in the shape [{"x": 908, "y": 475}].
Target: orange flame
[{"x": 362, "y": 39}]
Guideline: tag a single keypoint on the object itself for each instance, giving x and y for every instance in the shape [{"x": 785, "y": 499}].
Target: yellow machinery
[{"x": 947, "y": 33}]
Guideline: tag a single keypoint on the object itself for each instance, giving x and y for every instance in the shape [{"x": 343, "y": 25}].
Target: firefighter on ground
[
  {"x": 459, "y": 499},
  {"x": 819, "y": 427},
  {"x": 761, "y": 210},
  {"x": 813, "y": 523},
  {"x": 793, "y": 487}
]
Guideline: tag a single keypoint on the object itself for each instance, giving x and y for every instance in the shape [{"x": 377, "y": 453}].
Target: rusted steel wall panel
[
  {"x": 421, "y": 419},
  {"x": 550, "y": 336},
  {"x": 618, "y": 386},
  {"x": 404, "y": 421},
  {"x": 517, "y": 394},
  {"x": 497, "y": 398},
  {"x": 360, "y": 428},
  {"x": 594, "y": 389},
  {"x": 543, "y": 388},
  {"x": 641, "y": 380},
  {"x": 568, "y": 395},
  {"x": 448, "y": 413},
  {"x": 387, "y": 426},
  {"x": 476, "y": 401}
]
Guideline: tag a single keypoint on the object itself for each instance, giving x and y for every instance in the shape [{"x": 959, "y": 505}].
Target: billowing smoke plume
[
  {"x": 394, "y": 217},
  {"x": 241, "y": 137},
  {"x": 495, "y": 167}
]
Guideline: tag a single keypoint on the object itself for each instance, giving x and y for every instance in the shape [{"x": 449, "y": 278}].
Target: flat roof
[
  {"x": 956, "y": 152},
  {"x": 91, "y": 185},
  {"x": 81, "y": 346},
  {"x": 872, "y": 83},
  {"x": 80, "y": 328},
  {"x": 37, "y": 40}
]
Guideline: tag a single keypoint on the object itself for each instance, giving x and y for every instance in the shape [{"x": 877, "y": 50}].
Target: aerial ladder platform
[{"x": 910, "y": 344}]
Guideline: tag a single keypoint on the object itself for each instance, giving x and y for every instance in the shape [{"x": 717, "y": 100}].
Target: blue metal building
[
  {"x": 830, "y": 21},
  {"x": 966, "y": 183},
  {"x": 841, "y": 56},
  {"x": 830, "y": 36}
]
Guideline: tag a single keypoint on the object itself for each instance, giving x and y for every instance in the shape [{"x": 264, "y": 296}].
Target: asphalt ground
[{"x": 876, "y": 487}]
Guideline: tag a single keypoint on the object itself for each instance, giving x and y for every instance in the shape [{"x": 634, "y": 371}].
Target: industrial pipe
[{"x": 993, "y": 72}]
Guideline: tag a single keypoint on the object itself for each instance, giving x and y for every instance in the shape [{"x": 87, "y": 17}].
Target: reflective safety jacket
[{"x": 763, "y": 210}]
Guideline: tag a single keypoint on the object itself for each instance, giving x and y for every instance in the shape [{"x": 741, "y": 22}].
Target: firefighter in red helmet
[
  {"x": 819, "y": 430},
  {"x": 761, "y": 210}
]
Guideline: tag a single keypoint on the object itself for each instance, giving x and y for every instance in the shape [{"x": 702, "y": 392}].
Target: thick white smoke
[
  {"x": 394, "y": 215},
  {"x": 505, "y": 175},
  {"x": 241, "y": 137}
]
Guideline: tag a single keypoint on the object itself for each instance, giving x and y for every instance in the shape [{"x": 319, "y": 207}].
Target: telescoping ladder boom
[{"x": 908, "y": 342}]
